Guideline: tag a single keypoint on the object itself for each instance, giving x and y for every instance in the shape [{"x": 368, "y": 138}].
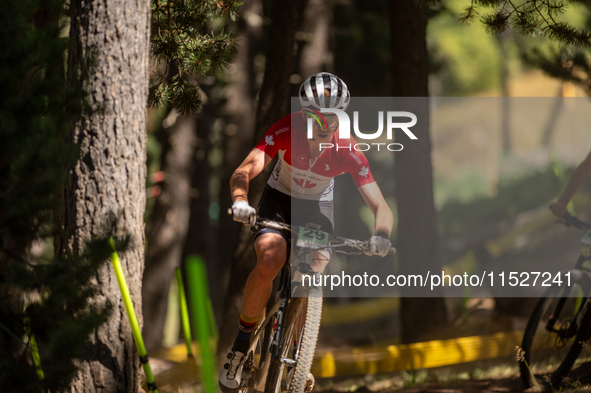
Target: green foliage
[
  {"x": 528, "y": 17},
  {"x": 467, "y": 59},
  {"x": 564, "y": 24},
  {"x": 515, "y": 195},
  {"x": 36, "y": 106},
  {"x": 61, "y": 319},
  {"x": 180, "y": 42},
  {"x": 571, "y": 66}
]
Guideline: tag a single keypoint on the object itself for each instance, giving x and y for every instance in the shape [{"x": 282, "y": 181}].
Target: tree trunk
[
  {"x": 169, "y": 223},
  {"x": 553, "y": 118},
  {"x": 417, "y": 218},
  {"x": 316, "y": 25},
  {"x": 201, "y": 238},
  {"x": 273, "y": 100},
  {"x": 239, "y": 132},
  {"x": 505, "y": 94},
  {"x": 110, "y": 176}
]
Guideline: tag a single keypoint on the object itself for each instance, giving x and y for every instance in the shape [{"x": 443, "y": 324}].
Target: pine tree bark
[
  {"x": 169, "y": 223},
  {"x": 317, "y": 24},
  {"x": 413, "y": 173},
  {"x": 273, "y": 101},
  {"x": 201, "y": 238},
  {"x": 239, "y": 132},
  {"x": 110, "y": 176}
]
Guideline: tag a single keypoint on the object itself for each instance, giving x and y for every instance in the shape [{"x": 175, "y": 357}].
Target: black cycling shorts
[{"x": 278, "y": 206}]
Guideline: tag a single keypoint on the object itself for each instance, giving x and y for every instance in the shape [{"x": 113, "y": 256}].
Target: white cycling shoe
[{"x": 231, "y": 373}]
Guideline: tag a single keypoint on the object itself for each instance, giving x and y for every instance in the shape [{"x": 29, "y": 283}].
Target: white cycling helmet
[{"x": 312, "y": 92}]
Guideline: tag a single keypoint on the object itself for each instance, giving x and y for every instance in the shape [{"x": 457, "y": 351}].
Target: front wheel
[
  {"x": 546, "y": 356},
  {"x": 307, "y": 342},
  {"x": 302, "y": 326}
]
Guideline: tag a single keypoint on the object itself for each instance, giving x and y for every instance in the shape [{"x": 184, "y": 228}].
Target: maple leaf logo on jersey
[
  {"x": 269, "y": 140},
  {"x": 300, "y": 182},
  {"x": 364, "y": 171}
]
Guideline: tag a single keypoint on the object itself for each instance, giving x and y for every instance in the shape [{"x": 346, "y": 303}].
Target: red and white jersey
[{"x": 297, "y": 174}]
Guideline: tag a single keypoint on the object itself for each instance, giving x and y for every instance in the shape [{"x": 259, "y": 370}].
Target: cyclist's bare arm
[
  {"x": 574, "y": 183},
  {"x": 372, "y": 195},
  {"x": 252, "y": 165}
]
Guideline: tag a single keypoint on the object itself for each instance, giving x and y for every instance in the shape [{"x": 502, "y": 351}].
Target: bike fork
[{"x": 278, "y": 336}]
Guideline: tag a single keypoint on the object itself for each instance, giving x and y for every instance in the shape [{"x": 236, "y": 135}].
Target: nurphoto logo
[{"x": 345, "y": 129}]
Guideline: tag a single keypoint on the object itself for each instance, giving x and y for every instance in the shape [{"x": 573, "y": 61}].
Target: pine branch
[
  {"x": 575, "y": 68},
  {"x": 567, "y": 35},
  {"x": 180, "y": 41},
  {"x": 490, "y": 3},
  {"x": 469, "y": 15},
  {"x": 529, "y": 18},
  {"x": 428, "y": 3},
  {"x": 495, "y": 23}
]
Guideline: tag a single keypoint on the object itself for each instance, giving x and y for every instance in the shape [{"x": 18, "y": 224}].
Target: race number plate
[
  {"x": 309, "y": 238},
  {"x": 587, "y": 238}
]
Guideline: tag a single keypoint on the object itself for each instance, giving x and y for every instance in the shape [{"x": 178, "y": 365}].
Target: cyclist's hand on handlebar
[
  {"x": 378, "y": 246},
  {"x": 244, "y": 213},
  {"x": 558, "y": 209}
]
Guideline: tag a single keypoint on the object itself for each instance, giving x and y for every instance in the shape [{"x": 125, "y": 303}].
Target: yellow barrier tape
[{"x": 430, "y": 354}]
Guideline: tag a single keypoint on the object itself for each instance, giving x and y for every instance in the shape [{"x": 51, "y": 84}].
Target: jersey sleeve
[
  {"x": 278, "y": 137},
  {"x": 357, "y": 165}
]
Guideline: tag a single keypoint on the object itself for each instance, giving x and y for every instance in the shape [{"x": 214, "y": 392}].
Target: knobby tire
[
  {"x": 278, "y": 372},
  {"x": 543, "y": 349}
]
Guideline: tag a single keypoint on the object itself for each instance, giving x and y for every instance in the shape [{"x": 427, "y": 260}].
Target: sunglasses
[{"x": 323, "y": 120}]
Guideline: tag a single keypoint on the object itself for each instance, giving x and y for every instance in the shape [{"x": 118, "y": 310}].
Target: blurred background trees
[
  {"x": 49, "y": 298},
  {"x": 222, "y": 74},
  {"x": 355, "y": 40}
]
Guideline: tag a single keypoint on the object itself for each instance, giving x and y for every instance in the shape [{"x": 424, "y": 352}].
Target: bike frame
[
  {"x": 279, "y": 307},
  {"x": 255, "y": 377},
  {"x": 583, "y": 257}
]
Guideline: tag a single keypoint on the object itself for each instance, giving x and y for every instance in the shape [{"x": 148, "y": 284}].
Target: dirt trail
[
  {"x": 480, "y": 386},
  {"x": 578, "y": 380}
]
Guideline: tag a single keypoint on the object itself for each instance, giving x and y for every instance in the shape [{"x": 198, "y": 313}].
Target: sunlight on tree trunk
[
  {"x": 110, "y": 176},
  {"x": 413, "y": 172}
]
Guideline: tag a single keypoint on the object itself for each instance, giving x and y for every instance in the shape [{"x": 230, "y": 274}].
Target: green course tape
[
  {"x": 34, "y": 351},
  {"x": 135, "y": 327},
  {"x": 212, "y": 325},
  {"x": 184, "y": 311},
  {"x": 199, "y": 293}
]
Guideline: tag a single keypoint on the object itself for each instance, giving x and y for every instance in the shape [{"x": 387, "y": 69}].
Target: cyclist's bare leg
[{"x": 271, "y": 250}]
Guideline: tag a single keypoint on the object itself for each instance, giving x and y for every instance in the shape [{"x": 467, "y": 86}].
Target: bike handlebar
[
  {"x": 572, "y": 221},
  {"x": 336, "y": 240}
]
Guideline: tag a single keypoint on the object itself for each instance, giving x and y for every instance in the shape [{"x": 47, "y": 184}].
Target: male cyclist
[
  {"x": 302, "y": 178},
  {"x": 575, "y": 182}
]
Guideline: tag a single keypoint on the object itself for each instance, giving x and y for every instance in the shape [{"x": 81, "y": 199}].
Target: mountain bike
[
  {"x": 559, "y": 326},
  {"x": 283, "y": 342}
]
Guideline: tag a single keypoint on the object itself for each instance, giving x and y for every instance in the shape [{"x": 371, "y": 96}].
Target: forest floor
[
  {"x": 473, "y": 318},
  {"x": 501, "y": 375},
  {"x": 543, "y": 247}
]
